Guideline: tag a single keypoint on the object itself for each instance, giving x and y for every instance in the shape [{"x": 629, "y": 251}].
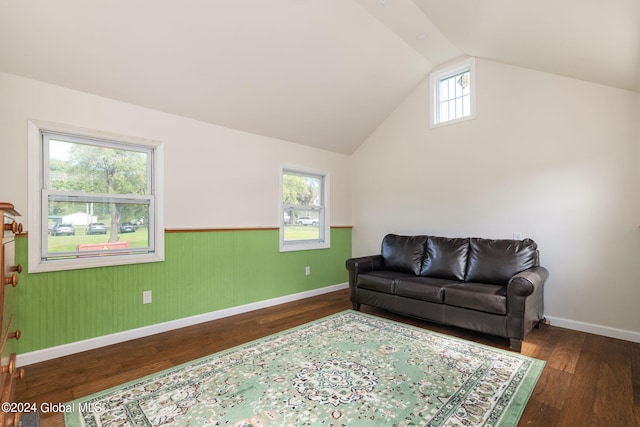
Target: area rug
[{"x": 349, "y": 369}]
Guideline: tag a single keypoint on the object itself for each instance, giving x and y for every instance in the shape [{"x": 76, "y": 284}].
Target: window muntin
[
  {"x": 97, "y": 200},
  {"x": 303, "y": 220},
  {"x": 453, "y": 93}
]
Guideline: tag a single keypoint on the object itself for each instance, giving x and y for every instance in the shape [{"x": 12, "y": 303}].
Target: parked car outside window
[
  {"x": 63, "y": 230},
  {"x": 127, "y": 228},
  {"x": 96, "y": 228},
  {"x": 305, "y": 220}
]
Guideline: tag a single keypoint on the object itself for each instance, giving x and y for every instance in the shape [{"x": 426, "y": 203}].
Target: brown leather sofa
[{"x": 490, "y": 286}]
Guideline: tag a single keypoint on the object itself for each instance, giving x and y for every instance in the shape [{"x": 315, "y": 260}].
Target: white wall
[
  {"x": 554, "y": 158},
  {"x": 215, "y": 176}
]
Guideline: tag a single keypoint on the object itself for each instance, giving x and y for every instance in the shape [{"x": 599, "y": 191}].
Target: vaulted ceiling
[{"x": 323, "y": 73}]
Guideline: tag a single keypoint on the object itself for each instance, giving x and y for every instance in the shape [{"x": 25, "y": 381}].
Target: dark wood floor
[{"x": 588, "y": 380}]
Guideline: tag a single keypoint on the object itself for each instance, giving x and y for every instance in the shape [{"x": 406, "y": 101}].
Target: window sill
[
  {"x": 303, "y": 246},
  {"x": 39, "y": 266},
  {"x": 452, "y": 122}
]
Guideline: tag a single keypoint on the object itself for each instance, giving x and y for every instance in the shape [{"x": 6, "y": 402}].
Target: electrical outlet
[
  {"x": 517, "y": 235},
  {"x": 307, "y": 270},
  {"x": 146, "y": 297}
]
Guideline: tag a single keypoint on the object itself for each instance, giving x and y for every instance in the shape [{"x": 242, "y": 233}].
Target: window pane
[
  {"x": 81, "y": 226},
  {"x": 458, "y": 87},
  {"x": 301, "y": 190},
  {"x": 452, "y": 88},
  {"x": 302, "y": 200},
  {"x": 459, "y": 112},
  {"x": 444, "y": 89},
  {"x": 305, "y": 225},
  {"x": 467, "y": 105},
  {"x": 96, "y": 169},
  {"x": 466, "y": 79},
  {"x": 444, "y": 111}
]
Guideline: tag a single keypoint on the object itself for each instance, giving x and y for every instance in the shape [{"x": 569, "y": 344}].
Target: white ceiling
[
  {"x": 593, "y": 40},
  {"x": 323, "y": 73}
]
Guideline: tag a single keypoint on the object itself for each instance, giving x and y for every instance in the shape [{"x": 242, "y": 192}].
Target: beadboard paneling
[{"x": 203, "y": 271}]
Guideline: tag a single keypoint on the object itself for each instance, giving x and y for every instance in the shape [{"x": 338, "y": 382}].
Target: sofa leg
[
  {"x": 356, "y": 306},
  {"x": 515, "y": 344}
]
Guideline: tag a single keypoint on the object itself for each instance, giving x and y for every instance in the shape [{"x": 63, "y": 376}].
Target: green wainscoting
[{"x": 203, "y": 271}]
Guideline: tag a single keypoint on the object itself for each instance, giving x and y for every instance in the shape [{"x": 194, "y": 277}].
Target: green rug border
[{"x": 510, "y": 418}]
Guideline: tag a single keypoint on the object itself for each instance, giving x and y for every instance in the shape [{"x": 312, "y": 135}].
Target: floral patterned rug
[{"x": 349, "y": 369}]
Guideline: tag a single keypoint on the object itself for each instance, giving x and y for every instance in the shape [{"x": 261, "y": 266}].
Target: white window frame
[
  {"x": 437, "y": 76},
  {"x": 38, "y": 194},
  {"x": 324, "y": 242}
]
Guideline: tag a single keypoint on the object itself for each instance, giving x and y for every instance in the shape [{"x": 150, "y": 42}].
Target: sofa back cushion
[
  {"x": 446, "y": 258},
  {"x": 496, "y": 261},
  {"x": 403, "y": 253}
]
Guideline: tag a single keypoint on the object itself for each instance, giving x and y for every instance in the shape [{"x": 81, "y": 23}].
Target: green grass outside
[
  {"x": 301, "y": 232},
  {"x": 138, "y": 239}
]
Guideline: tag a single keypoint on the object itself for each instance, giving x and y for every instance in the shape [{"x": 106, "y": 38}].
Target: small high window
[
  {"x": 453, "y": 93},
  {"x": 304, "y": 215}
]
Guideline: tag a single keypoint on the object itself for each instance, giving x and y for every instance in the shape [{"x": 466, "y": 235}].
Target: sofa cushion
[
  {"x": 477, "y": 296},
  {"x": 380, "y": 281},
  {"x": 496, "y": 261},
  {"x": 446, "y": 258},
  {"x": 403, "y": 253},
  {"x": 423, "y": 288}
]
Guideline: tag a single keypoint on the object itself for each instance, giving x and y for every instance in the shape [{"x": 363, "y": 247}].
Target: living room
[{"x": 549, "y": 156}]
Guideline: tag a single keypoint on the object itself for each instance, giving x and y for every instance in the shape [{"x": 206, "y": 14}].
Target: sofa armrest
[
  {"x": 364, "y": 264},
  {"x": 527, "y": 282},
  {"x": 356, "y": 266},
  {"x": 525, "y": 303}
]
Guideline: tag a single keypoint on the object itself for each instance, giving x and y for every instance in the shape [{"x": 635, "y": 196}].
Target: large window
[
  {"x": 304, "y": 215},
  {"x": 97, "y": 200},
  {"x": 453, "y": 93}
]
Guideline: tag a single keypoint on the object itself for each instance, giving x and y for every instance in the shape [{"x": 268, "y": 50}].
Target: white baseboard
[
  {"x": 591, "y": 328},
  {"x": 93, "y": 343}
]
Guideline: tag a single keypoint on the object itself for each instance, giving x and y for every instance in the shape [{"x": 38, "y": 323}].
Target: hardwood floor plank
[
  {"x": 536, "y": 415},
  {"x": 105, "y": 383},
  {"x": 614, "y": 397},
  {"x": 587, "y": 380},
  {"x": 566, "y": 352},
  {"x": 634, "y": 351},
  {"x": 552, "y": 388},
  {"x": 578, "y": 406}
]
